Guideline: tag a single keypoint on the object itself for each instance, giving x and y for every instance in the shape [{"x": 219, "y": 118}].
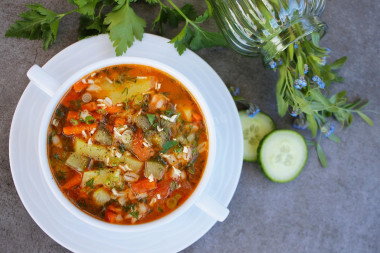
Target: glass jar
[{"x": 267, "y": 27}]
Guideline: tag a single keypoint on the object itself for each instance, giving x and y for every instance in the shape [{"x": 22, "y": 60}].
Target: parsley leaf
[
  {"x": 193, "y": 36},
  {"x": 172, "y": 17},
  {"x": 135, "y": 214},
  {"x": 86, "y": 7},
  {"x": 152, "y": 1},
  {"x": 37, "y": 23},
  {"x": 90, "y": 27},
  {"x": 168, "y": 145},
  {"x": 151, "y": 118},
  {"x": 90, "y": 183},
  {"x": 124, "y": 26}
]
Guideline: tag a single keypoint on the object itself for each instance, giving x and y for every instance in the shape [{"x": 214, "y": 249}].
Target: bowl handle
[
  {"x": 43, "y": 80},
  {"x": 212, "y": 207}
]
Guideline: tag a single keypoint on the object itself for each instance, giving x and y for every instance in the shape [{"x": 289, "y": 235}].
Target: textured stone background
[{"x": 325, "y": 210}]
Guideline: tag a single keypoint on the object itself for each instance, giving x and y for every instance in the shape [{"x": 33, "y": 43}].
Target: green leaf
[
  {"x": 310, "y": 142},
  {"x": 365, "y": 118},
  {"x": 349, "y": 119},
  {"x": 315, "y": 37},
  {"x": 168, "y": 145},
  {"x": 300, "y": 64},
  {"x": 90, "y": 183},
  {"x": 319, "y": 97},
  {"x": 90, "y": 27},
  {"x": 124, "y": 27},
  {"x": 282, "y": 105},
  {"x": 37, "y": 23},
  {"x": 189, "y": 11},
  {"x": 182, "y": 40},
  {"x": 151, "y": 118},
  {"x": 152, "y": 1},
  {"x": 334, "y": 138},
  {"x": 86, "y": 7},
  {"x": 172, "y": 17},
  {"x": 206, "y": 15},
  {"x": 134, "y": 214},
  {"x": 205, "y": 39},
  {"x": 313, "y": 126},
  {"x": 337, "y": 97},
  {"x": 321, "y": 156},
  {"x": 338, "y": 63},
  {"x": 291, "y": 52},
  {"x": 363, "y": 106}
]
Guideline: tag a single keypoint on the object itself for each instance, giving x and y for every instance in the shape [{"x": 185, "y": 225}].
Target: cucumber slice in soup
[
  {"x": 254, "y": 130},
  {"x": 282, "y": 155}
]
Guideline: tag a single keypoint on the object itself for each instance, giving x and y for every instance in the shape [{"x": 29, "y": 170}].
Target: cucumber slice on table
[
  {"x": 283, "y": 154},
  {"x": 254, "y": 130}
]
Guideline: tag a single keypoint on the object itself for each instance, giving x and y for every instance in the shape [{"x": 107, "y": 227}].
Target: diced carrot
[
  {"x": 70, "y": 130},
  {"x": 73, "y": 181},
  {"x": 114, "y": 209},
  {"x": 197, "y": 117},
  {"x": 110, "y": 216},
  {"x": 79, "y": 86},
  {"x": 90, "y": 106},
  {"x": 114, "y": 109},
  {"x": 72, "y": 115},
  {"x": 97, "y": 116},
  {"x": 109, "y": 128},
  {"x": 120, "y": 121},
  {"x": 143, "y": 185},
  {"x": 139, "y": 149},
  {"x": 83, "y": 195},
  {"x": 163, "y": 188}
]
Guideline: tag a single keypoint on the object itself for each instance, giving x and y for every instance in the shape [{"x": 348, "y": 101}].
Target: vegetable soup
[{"x": 127, "y": 144}]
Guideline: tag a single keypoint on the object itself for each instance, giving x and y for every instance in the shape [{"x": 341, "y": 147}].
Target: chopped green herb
[
  {"x": 169, "y": 113},
  {"x": 89, "y": 120},
  {"x": 53, "y": 132},
  {"x": 173, "y": 186},
  {"x": 122, "y": 148},
  {"x": 191, "y": 170},
  {"x": 74, "y": 122},
  {"x": 102, "y": 111},
  {"x": 193, "y": 160},
  {"x": 82, "y": 203},
  {"x": 134, "y": 214},
  {"x": 56, "y": 156},
  {"x": 178, "y": 148},
  {"x": 129, "y": 207},
  {"x": 168, "y": 145},
  {"x": 160, "y": 209},
  {"x": 59, "y": 113},
  {"x": 61, "y": 175},
  {"x": 90, "y": 183},
  {"x": 120, "y": 188},
  {"x": 125, "y": 90},
  {"x": 151, "y": 118}
]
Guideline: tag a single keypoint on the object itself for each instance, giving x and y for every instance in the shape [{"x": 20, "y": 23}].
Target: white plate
[{"x": 78, "y": 236}]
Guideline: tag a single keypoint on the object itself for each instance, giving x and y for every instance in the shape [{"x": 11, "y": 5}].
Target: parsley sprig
[{"x": 118, "y": 18}]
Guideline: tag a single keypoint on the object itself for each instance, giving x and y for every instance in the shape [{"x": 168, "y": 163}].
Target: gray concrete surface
[{"x": 336, "y": 209}]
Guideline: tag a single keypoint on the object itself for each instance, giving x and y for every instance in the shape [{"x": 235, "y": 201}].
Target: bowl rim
[{"x": 53, "y": 102}]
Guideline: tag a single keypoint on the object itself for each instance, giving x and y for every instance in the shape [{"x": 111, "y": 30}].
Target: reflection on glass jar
[{"x": 267, "y": 27}]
